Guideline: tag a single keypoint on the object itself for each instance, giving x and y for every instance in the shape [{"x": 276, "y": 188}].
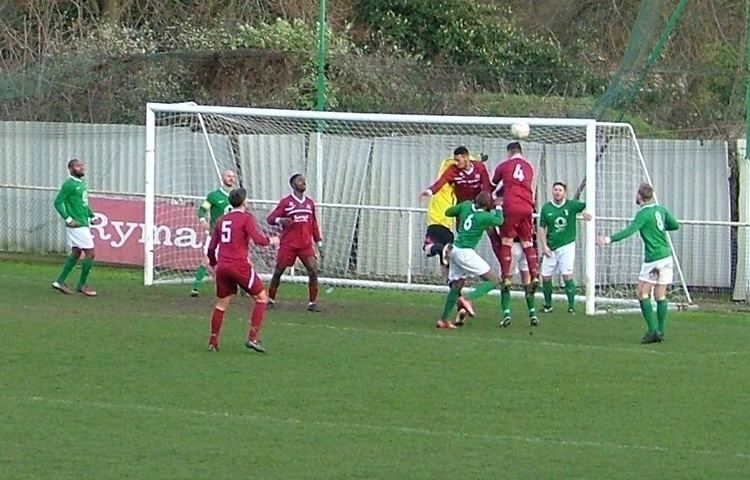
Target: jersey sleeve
[
  {"x": 496, "y": 218},
  {"x": 214, "y": 243},
  {"x": 316, "y": 226},
  {"x": 634, "y": 226},
  {"x": 446, "y": 177},
  {"x": 454, "y": 211},
  {"x": 252, "y": 231},
  {"x": 670, "y": 222},
  {"x": 62, "y": 195},
  {"x": 497, "y": 177},
  {"x": 276, "y": 213},
  {"x": 485, "y": 178},
  {"x": 204, "y": 207},
  {"x": 543, "y": 218}
]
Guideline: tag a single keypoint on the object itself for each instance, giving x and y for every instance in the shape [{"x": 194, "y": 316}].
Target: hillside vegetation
[{"x": 101, "y": 60}]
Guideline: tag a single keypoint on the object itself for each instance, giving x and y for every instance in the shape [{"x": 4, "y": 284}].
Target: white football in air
[{"x": 520, "y": 130}]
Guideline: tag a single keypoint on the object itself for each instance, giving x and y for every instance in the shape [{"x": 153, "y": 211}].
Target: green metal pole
[
  {"x": 320, "y": 100},
  {"x": 747, "y": 80}
]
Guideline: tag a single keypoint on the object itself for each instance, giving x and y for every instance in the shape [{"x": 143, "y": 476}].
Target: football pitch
[{"x": 121, "y": 386}]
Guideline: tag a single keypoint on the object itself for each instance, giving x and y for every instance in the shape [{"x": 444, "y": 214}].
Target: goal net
[{"x": 365, "y": 172}]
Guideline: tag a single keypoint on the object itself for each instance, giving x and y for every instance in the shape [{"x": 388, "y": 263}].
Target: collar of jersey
[
  {"x": 648, "y": 205},
  {"x": 516, "y": 155},
  {"x": 221, "y": 189},
  {"x": 471, "y": 169},
  {"x": 561, "y": 205},
  {"x": 299, "y": 200},
  {"x": 76, "y": 178},
  {"x": 474, "y": 208}
]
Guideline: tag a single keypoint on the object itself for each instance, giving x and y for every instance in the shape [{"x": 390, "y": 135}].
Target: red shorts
[
  {"x": 518, "y": 224},
  {"x": 229, "y": 277},
  {"x": 288, "y": 255}
]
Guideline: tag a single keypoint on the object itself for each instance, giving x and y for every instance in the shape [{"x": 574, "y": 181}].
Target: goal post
[{"x": 365, "y": 171}]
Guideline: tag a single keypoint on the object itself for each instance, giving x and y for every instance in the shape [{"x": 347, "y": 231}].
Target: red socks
[
  {"x": 217, "y": 318},
  {"x": 532, "y": 260},
  {"x": 505, "y": 253},
  {"x": 256, "y": 320}
]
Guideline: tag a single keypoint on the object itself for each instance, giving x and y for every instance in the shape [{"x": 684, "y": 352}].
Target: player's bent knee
[{"x": 261, "y": 297}]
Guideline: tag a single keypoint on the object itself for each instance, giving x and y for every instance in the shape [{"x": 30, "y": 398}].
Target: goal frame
[{"x": 590, "y": 126}]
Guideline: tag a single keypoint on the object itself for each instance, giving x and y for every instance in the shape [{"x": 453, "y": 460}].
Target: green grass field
[{"x": 121, "y": 386}]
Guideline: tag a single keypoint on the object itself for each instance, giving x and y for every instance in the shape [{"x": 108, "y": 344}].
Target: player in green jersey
[
  {"x": 472, "y": 220},
  {"x": 72, "y": 203},
  {"x": 652, "y": 222},
  {"x": 214, "y": 206},
  {"x": 557, "y": 239}
]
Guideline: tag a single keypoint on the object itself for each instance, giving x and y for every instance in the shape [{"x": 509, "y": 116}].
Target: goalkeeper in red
[
  {"x": 232, "y": 234},
  {"x": 472, "y": 220},
  {"x": 296, "y": 216},
  {"x": 214, "y": 206},
  {"x": 72, "y": 203},
  {"x": 652, "y": 222}
]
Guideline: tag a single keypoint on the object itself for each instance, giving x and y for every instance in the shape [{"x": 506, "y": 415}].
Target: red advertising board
[{"x": 119, "y": 233}]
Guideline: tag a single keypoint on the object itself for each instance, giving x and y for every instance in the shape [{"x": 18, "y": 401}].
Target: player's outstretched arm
[
  {"x": 252, "y": 231},
  {"x": 634, "y": 226},
  {"x": 446, "y": 177}
]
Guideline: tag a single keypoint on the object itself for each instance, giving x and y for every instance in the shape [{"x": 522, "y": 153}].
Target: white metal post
[
  {"x": 148, "y": 216},
  {"x": 319, "y": 167},
  {"x": 409, "y": 246},
  {"x": 590, "y": 247}
]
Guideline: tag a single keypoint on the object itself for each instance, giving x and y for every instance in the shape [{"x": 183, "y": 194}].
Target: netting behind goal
[{"x": 365, "y": 171}]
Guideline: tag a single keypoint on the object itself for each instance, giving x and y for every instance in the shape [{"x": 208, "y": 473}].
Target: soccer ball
[{"x": 520, "y": 130}]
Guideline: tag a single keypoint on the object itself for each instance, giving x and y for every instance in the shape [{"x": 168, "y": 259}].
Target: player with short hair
[
  {"x": 468, "y": 177},
  {"x": 232, "y": 234},
  {"x": 557, "y": 239},
  {"x": 515, "y": 178},
  {"x": 72, "y": 203},
  {"x": 473, "y": 219},
  {"x": 214, "y": 206},
  {"x": 652, "y": 221},
  {"x": 296, "y": 216},
  {"x": 439, "y": 226}
]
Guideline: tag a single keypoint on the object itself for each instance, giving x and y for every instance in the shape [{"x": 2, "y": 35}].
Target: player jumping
[{"x": 516, "y": 175}]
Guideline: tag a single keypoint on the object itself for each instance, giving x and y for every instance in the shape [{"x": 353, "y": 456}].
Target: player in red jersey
[
  {"x": 232, "y": 234},
  {"x": 295, "y": 213},
  {"x": 468, "y": 177},
  {"x": 517, "y": 177}
]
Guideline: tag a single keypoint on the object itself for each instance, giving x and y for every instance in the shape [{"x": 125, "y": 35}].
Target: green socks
[
  {"x": 661, "y": 315},
  {"x": 505, "y": 301},
  {"x": 570, "y": 291},
  {"x": 547, "y": 290},
  {"x": 200, "y": 273},
  {"x": 86, "y": 265},
  {"x": 481, "y": 290},
  {"x": 648, "y": 313},
  {"x": 450, "y": 302},
  {"x": 68, "y": 266},
  {"x": 530, "y": 305}
]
